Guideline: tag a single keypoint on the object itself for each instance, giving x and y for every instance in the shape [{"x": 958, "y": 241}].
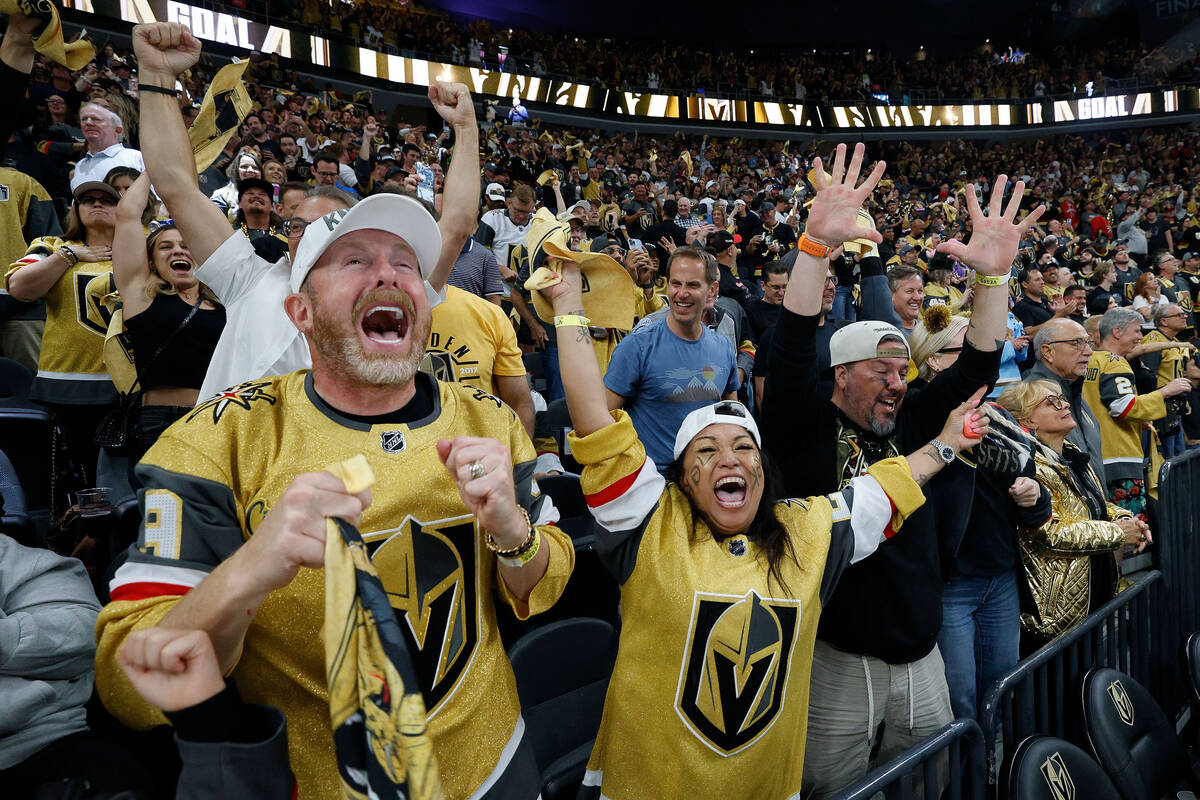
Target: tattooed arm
[
  {"x": 925, "y": 462},
  {"x": 581, "y": 379}
]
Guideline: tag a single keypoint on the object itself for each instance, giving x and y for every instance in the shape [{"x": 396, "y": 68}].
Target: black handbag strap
[{"x": 163, "y": 345}]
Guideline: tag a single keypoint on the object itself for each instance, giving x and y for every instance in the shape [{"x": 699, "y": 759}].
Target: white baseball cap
[
  {"x": 729, "y": 412},
  {"x": 395, "y": 213},
  {"x": 860, "y": 341},
  {"x": 495, "y": 191}
]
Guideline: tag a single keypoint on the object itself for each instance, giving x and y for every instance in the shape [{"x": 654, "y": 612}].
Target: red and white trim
[
  {"x": 871, "y": 515},
  {"x": 1122, "y": 405},
  {"x": 138, "y": 581},
  {"x": 625, "y": 502}
]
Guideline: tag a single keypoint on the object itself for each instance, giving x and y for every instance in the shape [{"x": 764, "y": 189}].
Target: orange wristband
[{"x": 813, "y": 247}]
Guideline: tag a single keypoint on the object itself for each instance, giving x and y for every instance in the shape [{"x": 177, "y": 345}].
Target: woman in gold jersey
[
  {"x": 722, "y": 583},
  {"x": 71, "y": 380}
]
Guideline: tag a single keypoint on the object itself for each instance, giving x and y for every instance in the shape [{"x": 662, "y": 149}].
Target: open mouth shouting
[
  {"x": 386, "y": 322},
  {"x": 730, "y": 491},
  {"x": 181, "y": 266}
]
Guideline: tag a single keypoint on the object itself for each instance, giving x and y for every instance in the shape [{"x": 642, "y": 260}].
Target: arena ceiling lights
[{"x": 243, "y": 34}]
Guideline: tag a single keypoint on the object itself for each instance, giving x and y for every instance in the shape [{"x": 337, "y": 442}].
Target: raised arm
[
  {"x": 581, "y": 377},
  {"x": 995, "y": 239},
  {"x": 131, "y": 268},
  {"x": 460, "y": 200},
  {"x": 164, "y": 51}
]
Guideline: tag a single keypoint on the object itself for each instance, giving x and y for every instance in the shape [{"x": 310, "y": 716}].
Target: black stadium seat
[
  {"x": 1191, "y": 673},
  {"x": 29, "y": 439},
  {"x": 1132, "y": 738},
  {"x": 1046, "y": 768},
  {"x": 14, "y": 522},
  {"x": 562, "y": 674},
  {"x": 15, "y": 381}
]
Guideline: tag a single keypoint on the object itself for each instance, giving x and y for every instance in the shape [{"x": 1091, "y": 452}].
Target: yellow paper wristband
[
  {"x": 524, "y": 557},
  {"x": 571, "y": 321},
  {"x": 991, "y": 280}
]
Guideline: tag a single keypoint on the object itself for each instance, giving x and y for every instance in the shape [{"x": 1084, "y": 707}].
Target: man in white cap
[
  {"x": 235, "y": 506},
  {"x": 258, "y": 338},
  {"x": 876, "y": 668}
]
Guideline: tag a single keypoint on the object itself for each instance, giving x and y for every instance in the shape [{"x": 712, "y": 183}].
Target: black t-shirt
[
  {"x": 1156, "y": 234},
  {"x": 762, "y": 315},
  {"x": 735, "y": 288},
  {"x": 1033, "y": 312},
  {"x": 646, "y": 221}
]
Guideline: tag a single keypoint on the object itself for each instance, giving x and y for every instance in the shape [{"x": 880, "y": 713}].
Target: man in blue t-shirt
[{"x": 663, "y": 371}]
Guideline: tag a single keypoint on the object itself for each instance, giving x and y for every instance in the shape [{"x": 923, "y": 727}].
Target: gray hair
[
  {"x": 1157, "y": 312},
  {"x": 332, "y": 193},
  {"x": 114, "y": 118},
  {"x": 1118, "y": 318},
  {"x": 900, "y": 272}
]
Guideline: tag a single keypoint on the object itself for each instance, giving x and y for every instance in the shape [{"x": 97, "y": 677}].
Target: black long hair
[{"x": 765, "y": 527}]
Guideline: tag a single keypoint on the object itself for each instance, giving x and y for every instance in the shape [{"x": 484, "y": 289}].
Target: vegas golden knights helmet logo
[
  {"x": 1054, "y": 770},
  {"x": 1120, "y": 698},
  {"x": 428, "y": 570},
  {"x": 734, "y": 676}
]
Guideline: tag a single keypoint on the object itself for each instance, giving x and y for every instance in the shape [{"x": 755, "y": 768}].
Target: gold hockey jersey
[
  {"x": 709, "y": 696},
  {"x": 212, "y": 478},
  {"x": 71, "y": 364},
  {"x": 1110, "y": 390}
]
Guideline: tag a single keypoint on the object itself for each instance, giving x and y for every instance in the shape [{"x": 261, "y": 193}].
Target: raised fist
[{"x": 165, "y": 49}]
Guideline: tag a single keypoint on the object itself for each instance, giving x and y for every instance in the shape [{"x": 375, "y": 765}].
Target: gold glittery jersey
[
  {"x": 211, "y": 479},
  {"x": 709, "y": 696},
  {"x": 71, "y": 364}
]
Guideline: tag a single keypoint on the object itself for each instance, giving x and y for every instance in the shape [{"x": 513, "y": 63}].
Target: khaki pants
[{"x": 857, "y": 702}]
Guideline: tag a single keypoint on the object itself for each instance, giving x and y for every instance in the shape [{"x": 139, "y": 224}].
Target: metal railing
[
  {"x": 961, "y": 741},
  {"x": 1127, "y": 634},
  {"x": 1178, "y": 551}
]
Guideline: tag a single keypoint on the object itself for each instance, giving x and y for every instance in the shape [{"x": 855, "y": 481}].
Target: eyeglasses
[
  {"x": 102, "y": 199},
  {"x": 1078, "y": 344},
  {"x": 294, "y": 227},
  {"x": 1171, "y": 316},
  {"x": 1056, "y": 401},
  {"x": 157, "y": 225},
  {"x": 326, "y": 174},
  {"x": 830, "y": 280},
  {"x": 951, "y": 349}
]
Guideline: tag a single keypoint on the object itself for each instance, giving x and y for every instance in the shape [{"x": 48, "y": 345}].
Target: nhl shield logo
[
  {"x": 734, "y": 677},
  {"x": 1054, "y": 770},
  {"x": 1122, "y": 702},
  {"x": 392, "y": 441}
]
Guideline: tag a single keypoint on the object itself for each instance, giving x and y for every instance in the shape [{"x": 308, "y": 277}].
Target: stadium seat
[
  {"x": 535, "y": 367},
  {"x": 29, "y": 441},
  {"x": 1046, "y": 768},
  {"x": 1190, "y": 656},
  {"x": 562, "y": 673},
  {"x": 112, "y": 472},
  {"x": 15, "y": 381},
  {"x": 14, "y": 522},
  {"x": 1132, "y": 738},
  {"x": 568, "y": 497}
]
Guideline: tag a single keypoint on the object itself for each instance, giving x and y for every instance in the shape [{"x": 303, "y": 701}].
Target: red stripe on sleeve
[
  {"x": 889, "y": 532},
  {"x": 1128, "y": 408},
  {"x": 140, "y": 591},
  {"x": 615, "y": 489}
]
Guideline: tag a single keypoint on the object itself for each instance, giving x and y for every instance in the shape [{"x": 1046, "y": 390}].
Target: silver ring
[{"x": 476, "y": 470}]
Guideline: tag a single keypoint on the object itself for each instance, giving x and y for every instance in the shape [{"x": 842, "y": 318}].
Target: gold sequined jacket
[{"x": 1057, "y": 556}]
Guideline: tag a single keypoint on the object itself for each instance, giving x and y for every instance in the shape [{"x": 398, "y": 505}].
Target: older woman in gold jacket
[{"x": 1070, "y": 562}]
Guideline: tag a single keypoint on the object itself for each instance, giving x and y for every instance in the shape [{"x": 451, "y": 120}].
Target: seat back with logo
[
  {"x": 1131, "y": 737},
  {"x": 562, "y": 673},
  {"x": 1046, "y": 768}
]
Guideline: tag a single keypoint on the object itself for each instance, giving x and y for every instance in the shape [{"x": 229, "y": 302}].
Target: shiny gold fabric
[{"x": 1057, "y": 556}]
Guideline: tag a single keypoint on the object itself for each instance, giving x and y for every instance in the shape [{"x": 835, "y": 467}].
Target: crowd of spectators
[
  {"x": 798, "y": 71},
  {"x": 748, "y": 305}
]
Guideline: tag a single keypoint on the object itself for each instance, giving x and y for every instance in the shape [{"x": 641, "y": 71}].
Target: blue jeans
[
  {"x": 843, "y": 304},
  {"x": 554, "y": 385},
  {"x": 1174, "y": 444},
  {"x": 980, "y": 637}
]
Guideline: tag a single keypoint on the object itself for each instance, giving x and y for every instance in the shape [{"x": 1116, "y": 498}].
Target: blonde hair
[
  {"x": 1020, "y": 399},
  {"x": 935, "y": 329}
]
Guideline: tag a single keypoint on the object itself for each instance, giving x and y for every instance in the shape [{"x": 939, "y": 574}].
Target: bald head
[{"x": 1062, "y": 346}]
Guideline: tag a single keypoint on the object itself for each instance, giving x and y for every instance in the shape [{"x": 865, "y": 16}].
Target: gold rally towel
[
  {"x": 375, "y": 702},
  {"x": 50, "y": 41},
  {"x": 222, "y": 111}
]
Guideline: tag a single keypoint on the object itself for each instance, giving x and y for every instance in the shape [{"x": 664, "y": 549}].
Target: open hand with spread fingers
[
  {"x": 996, "y": 237},
  {"x": 833, "y": 216}
]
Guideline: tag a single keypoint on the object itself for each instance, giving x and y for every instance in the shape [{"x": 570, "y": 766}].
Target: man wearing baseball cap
[
  {"x": 723, "y": 246},
  {"x": 876, "y": 659},
  {"x": 236, "y": 492},
  {"x": 258, "y": 338}
]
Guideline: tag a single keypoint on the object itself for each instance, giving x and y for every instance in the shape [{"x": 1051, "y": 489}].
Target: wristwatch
[{"x": 945, "y": 452}]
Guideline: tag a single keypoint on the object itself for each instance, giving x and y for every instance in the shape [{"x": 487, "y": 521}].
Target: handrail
[{"x": 897, "y": 773}]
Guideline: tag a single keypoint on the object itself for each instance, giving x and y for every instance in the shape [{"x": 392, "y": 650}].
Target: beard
[{"x": 337, "y": 340}]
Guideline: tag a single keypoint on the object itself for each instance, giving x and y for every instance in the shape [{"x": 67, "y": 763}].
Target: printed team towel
[
  {"x": 50, "y": 41},
  {"x": 375, "y": 702},
  {"x": 221, "y": 112}
]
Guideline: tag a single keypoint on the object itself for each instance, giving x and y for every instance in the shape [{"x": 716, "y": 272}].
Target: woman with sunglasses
[
  {"x": 1070, "y": 560},
  {"x": 172, "y": 321},
  {"x": 722, "y": 582},
  {"x": 72, "y": 380}
]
